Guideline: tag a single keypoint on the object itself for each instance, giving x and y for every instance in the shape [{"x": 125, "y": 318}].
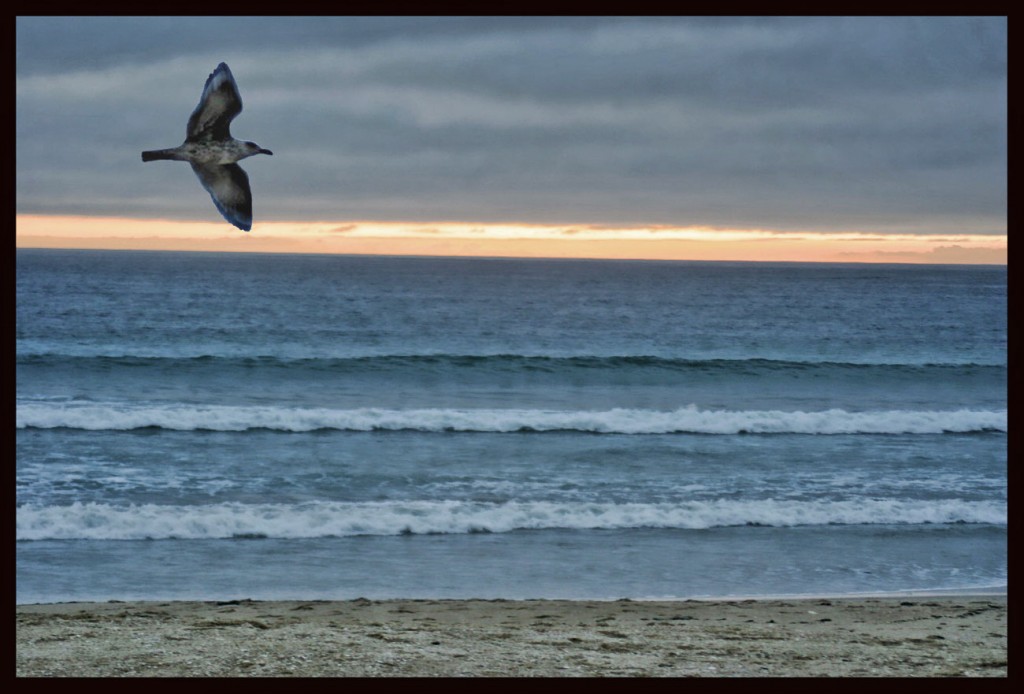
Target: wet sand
[{"x": 903, "y": 636}]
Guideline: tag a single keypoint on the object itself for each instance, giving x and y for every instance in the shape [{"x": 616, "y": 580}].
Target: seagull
[{"x": 213, "y": 153}]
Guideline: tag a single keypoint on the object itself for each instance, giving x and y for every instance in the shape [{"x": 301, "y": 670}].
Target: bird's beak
[{"x": 263, "y": 151}]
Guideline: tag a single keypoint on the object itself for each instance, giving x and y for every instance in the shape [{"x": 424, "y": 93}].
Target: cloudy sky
[{"x": 871, "y": 138}]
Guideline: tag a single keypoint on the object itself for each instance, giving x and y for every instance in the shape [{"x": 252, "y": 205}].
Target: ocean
[{"x": 225, "y": 426}]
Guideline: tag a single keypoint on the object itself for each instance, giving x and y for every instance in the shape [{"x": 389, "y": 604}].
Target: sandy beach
[{"x": 893, "y": 636}]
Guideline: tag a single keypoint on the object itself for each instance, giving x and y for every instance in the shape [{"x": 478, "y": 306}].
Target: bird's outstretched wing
[
  {"x": 228, "y": 185},
  {"x": 219, "y": 103}
]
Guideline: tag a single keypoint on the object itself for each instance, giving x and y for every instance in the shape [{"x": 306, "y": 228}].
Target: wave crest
[
  {"x": 691, "y": 419},
  {"x": 340, "y": 519}
]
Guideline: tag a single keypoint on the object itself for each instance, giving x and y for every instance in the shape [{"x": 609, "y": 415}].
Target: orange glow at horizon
[{"x": 656, "y": 242}]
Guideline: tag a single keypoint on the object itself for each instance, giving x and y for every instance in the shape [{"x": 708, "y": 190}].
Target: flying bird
[{"x": 213, "y": 153}]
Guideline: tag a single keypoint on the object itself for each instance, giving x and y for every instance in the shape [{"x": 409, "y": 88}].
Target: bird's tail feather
[{"x": 155, "y": 154}]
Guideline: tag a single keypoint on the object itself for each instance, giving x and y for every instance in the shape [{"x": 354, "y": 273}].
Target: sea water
[{"x": 218, "y": 426}]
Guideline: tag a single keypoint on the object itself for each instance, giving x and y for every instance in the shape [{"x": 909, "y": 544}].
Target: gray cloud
[{"x": 880, "y": 124}]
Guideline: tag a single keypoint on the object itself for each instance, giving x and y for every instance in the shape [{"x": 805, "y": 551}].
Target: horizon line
[{"x": 415, "y": 256}]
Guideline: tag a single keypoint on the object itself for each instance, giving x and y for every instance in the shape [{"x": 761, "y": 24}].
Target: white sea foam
[
  {"x": 691, "y": 419},
  {"x": 330, "y": 519}
]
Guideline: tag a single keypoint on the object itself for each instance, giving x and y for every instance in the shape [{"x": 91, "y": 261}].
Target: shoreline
[{"x": 920, "y": 634}]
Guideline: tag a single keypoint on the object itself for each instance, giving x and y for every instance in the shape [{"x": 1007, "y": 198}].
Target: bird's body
[{"x": 213, "y": 153}]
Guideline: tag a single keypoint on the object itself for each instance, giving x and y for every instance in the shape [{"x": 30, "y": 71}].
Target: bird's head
[{"x": 253, "y": 148}]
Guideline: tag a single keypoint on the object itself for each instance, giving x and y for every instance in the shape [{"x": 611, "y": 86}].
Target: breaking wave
[
  {"x": 73, "y": 414},
  {"x": 97, "y": 521}
]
